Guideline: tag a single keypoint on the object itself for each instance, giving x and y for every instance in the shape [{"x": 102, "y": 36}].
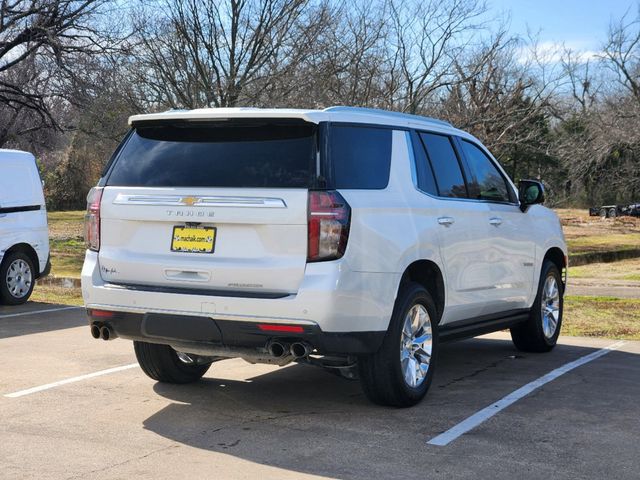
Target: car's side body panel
[
  {"x": 513, "y": 258},
  {"x": 548, "y": 234}
]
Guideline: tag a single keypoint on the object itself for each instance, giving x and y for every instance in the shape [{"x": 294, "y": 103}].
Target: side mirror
[{"x": 531, "y": 192}]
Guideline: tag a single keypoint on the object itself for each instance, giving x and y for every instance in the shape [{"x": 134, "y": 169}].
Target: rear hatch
[{"x": 219, "y": 206}]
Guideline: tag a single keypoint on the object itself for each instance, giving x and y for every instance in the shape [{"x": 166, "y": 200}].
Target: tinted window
[
  {"x": 210, "y": 155},
  {"x": 445, "y": 165},
  {"x": 426, "y": 182},
  {"x": 485, "y": 182},
  {"x": 360, "y": 156}
]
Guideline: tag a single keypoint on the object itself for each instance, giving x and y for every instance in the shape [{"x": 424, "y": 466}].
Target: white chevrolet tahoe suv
[{"x": 349, "y": 238}]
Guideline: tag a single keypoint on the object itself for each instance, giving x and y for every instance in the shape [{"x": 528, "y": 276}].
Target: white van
[{"x": 24, "y": 238}]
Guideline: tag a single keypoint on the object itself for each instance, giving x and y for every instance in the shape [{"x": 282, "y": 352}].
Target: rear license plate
[{"x": 193, "y": 240}]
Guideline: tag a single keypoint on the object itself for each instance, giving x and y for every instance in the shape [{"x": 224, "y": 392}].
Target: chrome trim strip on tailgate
[
  {"x": 199, "y": 201},
  {"x": 196, "y": 291}
]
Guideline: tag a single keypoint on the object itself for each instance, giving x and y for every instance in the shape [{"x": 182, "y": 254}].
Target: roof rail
[{"x": 386, "y": 113}]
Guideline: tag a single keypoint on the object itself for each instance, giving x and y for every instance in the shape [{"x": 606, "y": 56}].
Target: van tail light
[
  {"x": 92, "y": 219},
  {"x": 329, "y": 217}
]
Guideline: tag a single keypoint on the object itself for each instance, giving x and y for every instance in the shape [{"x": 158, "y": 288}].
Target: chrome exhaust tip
[
  {"x": 300, "y": 350},
  {"x": 277, "y": 349},
  {"x": 95, "y": 331},
  {"x": 106, "y": 333}
]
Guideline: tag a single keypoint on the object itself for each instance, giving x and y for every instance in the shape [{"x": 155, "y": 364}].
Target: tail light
[
  {"x": 92, "y": 219},
  {"x": 328, "y": 226}
]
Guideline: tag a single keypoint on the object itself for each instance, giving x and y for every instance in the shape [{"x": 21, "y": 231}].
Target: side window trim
[
  {"x": 413, "y": 161},
  {"x": 513, "y": 199}
]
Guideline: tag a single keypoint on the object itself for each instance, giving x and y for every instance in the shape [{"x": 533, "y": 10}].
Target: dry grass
[
  {"x": 66, "y": 242},
  {"x": 57, "y": 294},
  {"x": 594, "y": 234},
  {"x": 602, "y": 317},
  {"x": 66, "y": 225},
  {"x": 624, "y": 270}
]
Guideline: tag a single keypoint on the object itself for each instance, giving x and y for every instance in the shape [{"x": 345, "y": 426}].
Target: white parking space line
[
  {"x": 66, "y": 381},
  {"x": 48, "y": 310},
  {"x": 479, "y": 417}
]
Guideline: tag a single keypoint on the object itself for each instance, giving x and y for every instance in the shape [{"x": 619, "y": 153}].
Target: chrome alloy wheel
[
  {"x": 550, "y": 306},
  {"x": 416, "y": 343},
  {"x": 19, "y": 278}
]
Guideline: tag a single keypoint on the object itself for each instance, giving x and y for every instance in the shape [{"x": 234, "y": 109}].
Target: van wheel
[
  {"x": 540, "y": 332},
  {"x": 164, "y": 364},
  {"x": 17, "y": 278},
  {"x": 400, "y": 372}
]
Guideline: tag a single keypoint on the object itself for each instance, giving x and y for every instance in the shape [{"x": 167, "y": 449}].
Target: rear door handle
[
  {"x": 446, "y": 221},
  {"x": 495, "y": 221}
]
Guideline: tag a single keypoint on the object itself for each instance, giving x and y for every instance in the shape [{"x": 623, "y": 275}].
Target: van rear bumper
[
  {"x": 47, "y": 268},
  {"x": 202, "y": 333},
  {"x": 331, "y": 299}
]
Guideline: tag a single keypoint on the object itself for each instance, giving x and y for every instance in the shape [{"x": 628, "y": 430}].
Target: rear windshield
[{"x": 217, "y": 155}]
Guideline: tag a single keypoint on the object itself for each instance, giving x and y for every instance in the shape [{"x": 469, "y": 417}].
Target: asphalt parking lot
[{"x": 60, "y": 419}]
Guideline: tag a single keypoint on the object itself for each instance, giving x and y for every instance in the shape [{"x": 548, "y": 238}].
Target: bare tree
[
  {"x": 39, "y": 38},
  {"x": 583, "y": 86},
  {"x": 494, "y": 96},
  {"x": 621, "y": 53},
  {"x": 211, "y": 53},
  {"x": 426, "y": 39},
  {"x": 342, "y": 58}
]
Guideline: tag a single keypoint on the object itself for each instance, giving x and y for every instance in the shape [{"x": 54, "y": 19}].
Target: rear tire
[
  {"x": 613, "y": 213},
  {"x": 540, "y": 332},
  {"x": 400, "y": 372},
  {"x": 17, "y": 278},
  {"x": 161, "y": 363}
]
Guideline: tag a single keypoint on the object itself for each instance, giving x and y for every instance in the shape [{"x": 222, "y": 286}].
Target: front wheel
[
  {"x": 400, "y": 372},
  {"x": 17, "y": 278},
  {"x": 540, "y": 332},
  {"x": 164, "y": 364}
]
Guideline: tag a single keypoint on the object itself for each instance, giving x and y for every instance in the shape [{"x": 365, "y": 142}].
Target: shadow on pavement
[
  {"x": 21, "y": 320},
  {"x": 306, "y": 420}
]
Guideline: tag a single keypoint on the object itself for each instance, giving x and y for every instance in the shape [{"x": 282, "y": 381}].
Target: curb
[{"x": 578, "y": 259}]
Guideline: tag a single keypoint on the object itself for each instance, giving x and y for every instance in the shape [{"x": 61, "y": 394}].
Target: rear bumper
[
  {"x": 47, "y": 268},
  {"x": 332, "y": 299},
  {"x": 194, "y": 333}
]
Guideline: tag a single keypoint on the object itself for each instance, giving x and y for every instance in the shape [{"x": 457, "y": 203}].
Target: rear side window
[
  {"x": 426, "y": 180},
  {"x": 214, "y": 155},
  {"x": 486, "y": 182},
  {"x": 360, "y": 156},
  {"x": 445, "y": 164}
]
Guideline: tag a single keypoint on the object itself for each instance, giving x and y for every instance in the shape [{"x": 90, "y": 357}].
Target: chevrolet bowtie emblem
[{"x": 189, "y": 201}]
